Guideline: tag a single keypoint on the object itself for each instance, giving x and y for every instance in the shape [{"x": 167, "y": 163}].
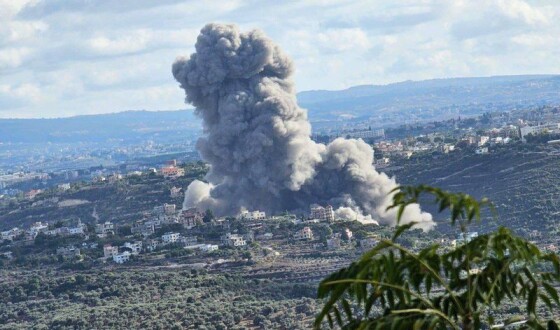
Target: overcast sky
[{"x": 68, "y": 57}]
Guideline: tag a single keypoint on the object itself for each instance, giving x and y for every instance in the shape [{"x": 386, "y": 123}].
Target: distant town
[{"x": 167, "y": 227}]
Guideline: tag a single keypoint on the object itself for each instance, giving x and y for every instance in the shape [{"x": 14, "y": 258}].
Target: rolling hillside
[
  {"x": 385, "y": 105},
  {"x": 433, "y": 99},
  {"x": 524, "y": 185}
]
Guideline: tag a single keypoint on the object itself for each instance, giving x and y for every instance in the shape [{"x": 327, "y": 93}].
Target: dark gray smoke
[{"x": 257, "y": 139}]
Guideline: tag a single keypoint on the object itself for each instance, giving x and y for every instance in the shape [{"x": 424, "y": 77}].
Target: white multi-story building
[
  {"x": 135, "y": 247},
  {"x": 254, "y": 215},
  {"x": 121, "y": 258},
  {"x": 208, "y": 247},
  {"x": 168, "y": 238}
]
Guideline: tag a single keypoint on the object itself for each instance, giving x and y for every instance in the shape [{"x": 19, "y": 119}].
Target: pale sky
[{"x": 69, "y": 57}]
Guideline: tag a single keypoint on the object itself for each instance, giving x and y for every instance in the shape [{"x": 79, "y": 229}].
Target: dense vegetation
[
  {"x": 392, "y": 287},
  {"x": 150, "y": 299}
]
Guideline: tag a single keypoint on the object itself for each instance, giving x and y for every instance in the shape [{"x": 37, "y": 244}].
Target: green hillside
[{"x": 523, "y": 182}]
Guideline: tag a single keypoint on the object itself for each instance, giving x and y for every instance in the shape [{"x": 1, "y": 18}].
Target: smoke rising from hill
[{"x": 257, "y": 139}]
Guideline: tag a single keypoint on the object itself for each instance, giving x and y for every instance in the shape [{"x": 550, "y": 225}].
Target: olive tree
[{"x": 392, "y": 287}]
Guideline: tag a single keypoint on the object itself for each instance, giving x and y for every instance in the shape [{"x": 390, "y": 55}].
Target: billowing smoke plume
[{"x": 257, "y": 139}]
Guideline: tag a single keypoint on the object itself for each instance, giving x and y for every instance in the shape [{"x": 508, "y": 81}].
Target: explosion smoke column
[{"x": 257, "y": 140}]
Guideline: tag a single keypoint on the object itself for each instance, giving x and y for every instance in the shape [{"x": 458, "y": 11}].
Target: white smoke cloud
[{"x": 257, "y": 139}]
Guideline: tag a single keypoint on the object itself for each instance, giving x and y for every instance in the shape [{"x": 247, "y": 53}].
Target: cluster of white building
[
  {"x": 122, "y": 254},
  {"x": 233, "y": 240},
  {"x": 252, "y": 215},
  {"x": 42, "y": 227},
  {"x": 188, "y": 242},
  {"x": 167, "y": 214},
  {"x": 538, "y": 129}
]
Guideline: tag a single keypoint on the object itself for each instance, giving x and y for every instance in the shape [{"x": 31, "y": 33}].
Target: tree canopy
[{"x": 392, "y": 287}]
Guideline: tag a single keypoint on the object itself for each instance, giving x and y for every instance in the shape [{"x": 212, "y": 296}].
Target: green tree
[{"x": 392, "y": 287}]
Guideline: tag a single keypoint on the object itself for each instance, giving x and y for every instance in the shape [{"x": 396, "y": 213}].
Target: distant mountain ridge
[
  {"x": 127, "y": 125},
  {"x": 431, "y": 99},
  {"x": 392, "y": 104}
]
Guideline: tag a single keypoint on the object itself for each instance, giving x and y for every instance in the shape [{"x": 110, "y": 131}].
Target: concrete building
[
  {"x": 203, "y": 247},
  {"x": 538, "y": 129},
  {"x": 188, "y": 240},
  {"x": 152, "y": 244},
  {"x": 172, "y": 172},
  {"x": 121, "y": 258},
  {"x": 322, "y": 213},
  {"x": 190, "y": 218},
  {"x": 169, "y": 238},
  {"x": 105, "y": 229},
  {"x": 304, "y": 234},
  {"x": 109, "y": 251},
  {"x": 79, "y": 229},
  {"x": 165, "y": 209},
  {"x": 175, "y": 192},
  {"x": 254, "y": 215},
  {"x": 233, "y": 240},
  {"x": 76, "y": 230},
  {"x": 143, "y": 228},
  {"x": 209, "y": 247},
  {"x": 135, "y": 247}
]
